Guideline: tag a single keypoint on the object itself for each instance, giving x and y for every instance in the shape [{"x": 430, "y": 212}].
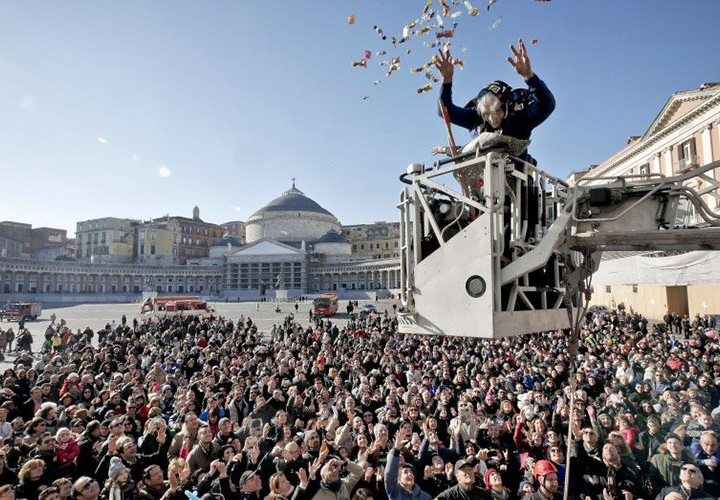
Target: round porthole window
[{"x": 475, "y": 286}]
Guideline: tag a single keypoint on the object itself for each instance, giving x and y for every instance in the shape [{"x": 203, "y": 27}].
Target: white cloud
[{"x": 164, "y": 171}]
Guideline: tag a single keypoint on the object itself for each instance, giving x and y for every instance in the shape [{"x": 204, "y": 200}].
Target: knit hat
[
  {"x": 486, "y": 477},
  {"x": 116, "y": 468}
]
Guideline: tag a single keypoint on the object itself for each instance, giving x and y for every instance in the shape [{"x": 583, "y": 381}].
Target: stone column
[
  {"x": 655, "y": 164},
  {"x": 706, "y": 144},
  {"x": 667, "y": 159}
]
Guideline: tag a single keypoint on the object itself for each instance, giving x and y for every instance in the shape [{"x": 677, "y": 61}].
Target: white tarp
[{"x": 692, "y": 268}]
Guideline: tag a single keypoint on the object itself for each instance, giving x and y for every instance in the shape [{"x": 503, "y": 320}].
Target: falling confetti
[
  {"x": 445, "y": 34},
  {"x": 430, "y": 45},
  {"x": 425, "y": 66},
  {"x": 457, "y": 14},
  {"x": 496, "y": 23},
  {"x": 380, "y": 53},
  {"x": 534, "y": 41},
  {"x": 426, "y": 88},
  {"x": 351, "y": 19},
  {"x": 365, "y": 97},
  {"x": 360, "y": 64},
  {"x": 408, "y": 51},
  {"x": 459, "y": 62},
  {"x": 472, "y": 11},
  {"x": 431, "y": 76},
  {"x": 446, "y": 7},
  {"x": 439, "y": 20},
  {"x": 463, "y": 48},
  {"x": 368, "y": 54},
  {"x": 422, "y": 30},
  {"x": 102, "y": 140},
  {"x": 491, "y": 3},
  {"x": 379, "y": 31},
  {"x": 377, "y": 82}
]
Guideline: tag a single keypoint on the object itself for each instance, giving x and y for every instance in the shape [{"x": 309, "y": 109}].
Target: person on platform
[{"x": 498, "y": 107}]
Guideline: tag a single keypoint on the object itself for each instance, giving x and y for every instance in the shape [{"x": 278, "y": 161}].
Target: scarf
[{"x": 334, "y": 487}]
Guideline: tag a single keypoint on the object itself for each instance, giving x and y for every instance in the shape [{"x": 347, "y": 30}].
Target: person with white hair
[
  {"x": 691, "y": 481},
  {"x": 498, "y": 107}
]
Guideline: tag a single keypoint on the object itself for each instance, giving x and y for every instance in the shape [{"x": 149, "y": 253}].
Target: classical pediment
[
  {"x": 679, "y": 105},
  {"x": 267, "y": 247}
]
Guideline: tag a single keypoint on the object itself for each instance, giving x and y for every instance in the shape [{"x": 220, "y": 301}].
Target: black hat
[
  {"x": 245, "y": 477},
  {"x": 464, "y": 462}
]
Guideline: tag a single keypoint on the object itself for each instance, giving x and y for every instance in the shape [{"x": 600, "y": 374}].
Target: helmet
[
  {"x": 543, "y": 468},
  {"x": 498, "y": 88}
]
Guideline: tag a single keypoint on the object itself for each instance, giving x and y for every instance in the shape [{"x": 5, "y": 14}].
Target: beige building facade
[
  {"x": 109, "y": 240},
  {"x": 685, "y": 135},
  {"x": 379, "y": 240}
]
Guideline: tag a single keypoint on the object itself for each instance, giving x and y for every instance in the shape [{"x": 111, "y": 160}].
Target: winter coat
[
  {"x": 348, "y": 484},
  {"x": 393, "y": 488}
]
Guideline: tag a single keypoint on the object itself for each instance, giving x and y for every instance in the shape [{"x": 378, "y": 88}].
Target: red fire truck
[
  {"x": 170, "y": 305},
  {"x": 16, "y": 311}
]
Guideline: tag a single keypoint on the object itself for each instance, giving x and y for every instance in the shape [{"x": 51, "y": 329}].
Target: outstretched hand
[
  {"x": 401, "y": 439},
  {"x": 444, "y": 65},
  {"x": 521, "y": 63}
]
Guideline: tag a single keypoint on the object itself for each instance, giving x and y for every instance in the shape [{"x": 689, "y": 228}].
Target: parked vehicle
[
  {"x": 325, "y": 304},
  {"x": 16, "y": 311},
  {"x": 171, "y": 305}
]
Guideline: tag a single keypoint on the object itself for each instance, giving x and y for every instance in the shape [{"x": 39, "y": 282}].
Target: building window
[
  {"x": 635, "y": 289},
  {"x": 688, "y": 154},
  {"x": 644, "y": 169},
  {"x": 152, "y": 249}
]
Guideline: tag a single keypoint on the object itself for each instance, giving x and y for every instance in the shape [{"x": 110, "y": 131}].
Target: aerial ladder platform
[{"x": 513, "y": 251}]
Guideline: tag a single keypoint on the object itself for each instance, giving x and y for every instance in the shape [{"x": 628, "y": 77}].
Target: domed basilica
[{"x": 294, "y": 244}]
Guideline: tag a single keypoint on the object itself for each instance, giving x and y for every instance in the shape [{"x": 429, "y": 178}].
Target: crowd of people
[{"x": 209, "y": 408}]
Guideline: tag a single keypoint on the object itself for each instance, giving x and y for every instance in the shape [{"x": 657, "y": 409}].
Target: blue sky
[{"x": 141, "y": 108}]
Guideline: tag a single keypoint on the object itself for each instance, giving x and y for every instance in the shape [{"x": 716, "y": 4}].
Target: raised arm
[
  {"x": 462, "y": 117},
  {"x": 541, "y": 101}
]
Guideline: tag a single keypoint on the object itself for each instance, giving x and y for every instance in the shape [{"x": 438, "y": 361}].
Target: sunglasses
[{"x": 88, "y": 485}]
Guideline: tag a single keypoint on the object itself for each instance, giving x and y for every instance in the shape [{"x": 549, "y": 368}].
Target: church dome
[
  {"x": 332, "y": 236},
  {"x": 223, "y": 246},
  {"x": 333, "y": 243},
  {"x": 225, "y": 240},
  {"x": 292, "y": 200},
  {"x": 291, "y": 218}
]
